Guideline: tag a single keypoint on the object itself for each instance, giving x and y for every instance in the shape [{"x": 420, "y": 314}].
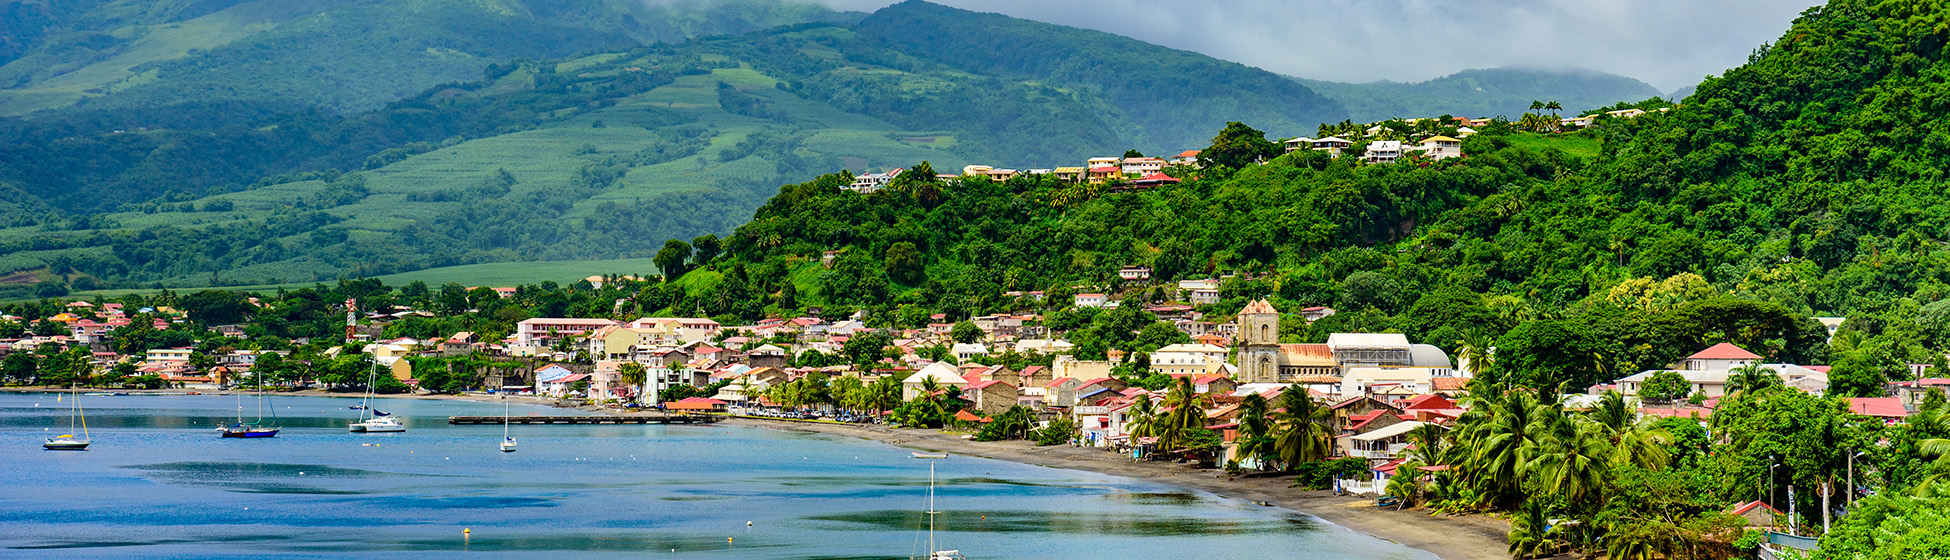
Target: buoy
[
  {"x": 727, "y": 540},
  {"x": 748, "y": 523}
]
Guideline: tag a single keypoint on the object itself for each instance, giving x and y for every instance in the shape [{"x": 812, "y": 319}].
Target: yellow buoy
[{"x": 727, "y": 540}]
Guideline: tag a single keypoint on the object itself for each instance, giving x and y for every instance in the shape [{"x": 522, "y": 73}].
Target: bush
[{"x": 1320, "y": 475}]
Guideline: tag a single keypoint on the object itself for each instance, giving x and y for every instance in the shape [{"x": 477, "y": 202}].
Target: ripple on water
[{"x": 1030, "y": 521}]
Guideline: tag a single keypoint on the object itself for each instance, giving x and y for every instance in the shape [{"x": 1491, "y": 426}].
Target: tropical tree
[
  {"x": 1751, "y": 378},
  {"x": 1632, "y": 442},
  {"x": 632, "y": 374},
  {"x": 1256, "y": 431},
  {"x": 1187, "y": 415},
  {"x": 1303, "y": 433},
  {"x": 1144, "y": 418},
  {"x": 1531, "y": 535}
]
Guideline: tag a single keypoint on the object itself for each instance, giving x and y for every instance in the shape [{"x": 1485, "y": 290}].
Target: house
[
  {"x": 1297, "y": 144},
  {"x": 1722, "y": 356},
  {"x": 967, "y": 352},
  {"x": 766, "y": 356},
  {"x": 1441, "y": 147},
  {"x": 1214, "y": 384},
  {"x": 1347, "y": 411},
  {"x": 1102, "y": 174},
  {"x": 1068, "y": 174},
  {"x": 1383, "y": 437},
  {"x": 1383, "y": 151},
  {"x": 1142, "y": 166},
  {"x": 1758, "y": 514},
  {"x": 1134, "y": 273},
  {"x": 561, "y": 386},
  {"x": 1188, "y": 158},
  {"x": 942, "y": 373},
  {"x": 1626, "y": 113},
  {"x": 1061, "y": 391},
  {"x": 1200, "y": 284},
  {"x": 992, "y": 397},
  {"x": 1312, "y": 314},
  {"x": 1154, "y": 180},
  {"x": 1092, "y": 300},
  {"x": 529, "y": 332},
  {"x": 873, "y": 182},
  {"x": 1332, "y": 145},
  {"x": 1188, "y": 359},
  {"x": 1579, "y": 122}
]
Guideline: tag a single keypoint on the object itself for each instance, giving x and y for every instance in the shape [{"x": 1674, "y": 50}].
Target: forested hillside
[
  {"x": 1495, "y": 92},
  {"x": 1805, "y": 183},
  {"x": 600, "y": 155},
  {"x": 339, "y": 56}
]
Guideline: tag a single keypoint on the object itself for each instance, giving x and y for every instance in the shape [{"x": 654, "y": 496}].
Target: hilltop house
[{"x": 1441, "y": 147}]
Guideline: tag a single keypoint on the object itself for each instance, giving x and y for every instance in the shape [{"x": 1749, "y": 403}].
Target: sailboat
[
  {"x": 507, "y": 441},
  {"x": 253, "y": 429},
  {"x": 934, "y": 554},
  {"x": 379, "y": 421},
  {"x": 67, "y": 441}
]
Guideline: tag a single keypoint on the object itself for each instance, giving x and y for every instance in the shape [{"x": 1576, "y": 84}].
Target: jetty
[{"x": 627, "y": 419}]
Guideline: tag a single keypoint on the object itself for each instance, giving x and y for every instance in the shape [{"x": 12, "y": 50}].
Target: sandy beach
[{"x": 1474, "y": 537}]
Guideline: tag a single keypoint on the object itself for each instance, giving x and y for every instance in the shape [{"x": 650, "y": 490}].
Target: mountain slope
[
  {"x": 1505, "y": 92},
  {"x": 345, "y": 56},
  {"x": 1148, "y": 86},
  {"x": 603, "y": 155}
]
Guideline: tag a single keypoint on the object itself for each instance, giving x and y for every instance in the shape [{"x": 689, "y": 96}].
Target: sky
[{"x": 1667, "y": 43}]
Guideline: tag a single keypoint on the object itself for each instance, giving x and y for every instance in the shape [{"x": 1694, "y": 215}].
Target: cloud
[{"x": 1667, "y": 43}]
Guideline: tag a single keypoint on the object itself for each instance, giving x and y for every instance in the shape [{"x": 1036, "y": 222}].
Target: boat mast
[{"x": 931, "y": 511}]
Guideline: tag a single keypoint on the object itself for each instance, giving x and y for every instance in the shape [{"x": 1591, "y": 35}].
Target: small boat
[
  {"x": 253, "y": 430},
  {"x": 377, "y": 424},
  {"x": 934, "y": 554},
  {"x": 379, "y": 421},
  {"x": 507, "y": 441},
  {"x": 67, "y": 442}
]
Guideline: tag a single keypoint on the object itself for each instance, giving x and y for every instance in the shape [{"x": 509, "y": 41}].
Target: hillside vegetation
[
  {"x": 602, "y": 155},
  {"x": 1805, "y": 183},
  {"x": 339, "y": 56}
]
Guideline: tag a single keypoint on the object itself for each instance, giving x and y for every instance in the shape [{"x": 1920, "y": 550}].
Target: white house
[
  {"x": 873, "y": 182},
  {"x": 1198, "y": 359},
  {"x": 1142, "y": 166},
  {"x": 1092, "y": 300},
  {"x": 1383, "y": 151},
  {"x": 969, "y": 352},
  {"x": 1441, "y": 147},
  {"x": 942, "y": 373}
]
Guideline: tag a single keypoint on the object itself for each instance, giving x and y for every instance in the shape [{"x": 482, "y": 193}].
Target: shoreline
[{"x": 1476, "y": 537}]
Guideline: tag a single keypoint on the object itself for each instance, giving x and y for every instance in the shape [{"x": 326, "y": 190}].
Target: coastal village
[{"x": 1378, "y": 388}]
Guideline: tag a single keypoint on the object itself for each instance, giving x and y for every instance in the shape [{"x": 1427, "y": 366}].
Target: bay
[{"x": 159, "y": 483}]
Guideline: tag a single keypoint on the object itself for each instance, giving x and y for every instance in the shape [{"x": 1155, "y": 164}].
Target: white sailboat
[
  {"x": 67, "y": 441},
  {"x": 507, "y": 441},
  {"x": 378, "y": 421},
  {"x": 934, "y": 554}
]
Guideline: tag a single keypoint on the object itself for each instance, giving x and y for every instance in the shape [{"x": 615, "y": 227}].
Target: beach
[{"x": 1474, "y": 537}]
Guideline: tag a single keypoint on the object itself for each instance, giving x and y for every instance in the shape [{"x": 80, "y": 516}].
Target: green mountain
[
  {"x": 1805, "y": 183},
  {"x": 600, "y": 155},
  {"x": 1505, "y": 92},
  {"x": 344, "y": 56}
]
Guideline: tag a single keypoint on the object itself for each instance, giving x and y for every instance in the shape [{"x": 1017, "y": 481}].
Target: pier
[{"x": 630, "y": 419}]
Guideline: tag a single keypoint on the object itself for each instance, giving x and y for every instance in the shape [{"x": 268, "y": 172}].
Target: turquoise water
[{"x": 159, "y": 483}]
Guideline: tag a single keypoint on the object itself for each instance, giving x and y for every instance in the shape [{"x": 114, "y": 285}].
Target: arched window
[
  {"x": 1266, "y": 366},
  {"x": 1265, "y": 332}
]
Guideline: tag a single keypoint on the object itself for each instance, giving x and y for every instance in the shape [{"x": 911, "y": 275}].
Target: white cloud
[{"x": 1667, "y": 43}]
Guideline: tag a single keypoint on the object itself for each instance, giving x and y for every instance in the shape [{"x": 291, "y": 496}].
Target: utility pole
[
  {"x": 1827, "y": 488},
  {"x": 1792, "y": 525}
]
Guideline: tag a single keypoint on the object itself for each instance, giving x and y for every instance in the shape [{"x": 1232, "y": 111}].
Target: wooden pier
[{"x": 629, "y": 419}]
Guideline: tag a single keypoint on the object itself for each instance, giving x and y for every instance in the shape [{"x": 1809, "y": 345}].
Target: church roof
[
  {"x": 1257, "y": 307},
  {"x": 1307, "y": 355}
]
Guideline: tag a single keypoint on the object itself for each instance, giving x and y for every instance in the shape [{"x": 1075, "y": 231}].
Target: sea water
[{"x": 159, "y": 483}]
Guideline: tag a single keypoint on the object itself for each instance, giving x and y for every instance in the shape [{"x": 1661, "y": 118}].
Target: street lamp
[{"x": 1850, "y": 500}]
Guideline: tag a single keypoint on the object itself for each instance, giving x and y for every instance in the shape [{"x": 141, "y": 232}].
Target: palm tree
[
  {"x": 1405, "y": 486},
  {"x": 1751, "y": 378},
  {"x": 632, "y": 374},
  {"x": 1303, "y": 428},
  {"x": 1553, "y": 107},
  {"x": 1145, "y": 421},
  {"x": 1633, "y": 442},
  {"x": 1536, "y": 105},
  {"x": 1503, "y": 445},
  {"x": 1187, "y": 414},
  {"x": 1530, "y": 533},
  {"x": 1570, "y": 458},
  {"x": 1935, "y": 421},
  {"x": 1255, "y": 430}
]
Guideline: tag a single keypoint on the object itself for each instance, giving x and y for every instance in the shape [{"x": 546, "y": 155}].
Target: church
[{"x": 1350, "y": 363}]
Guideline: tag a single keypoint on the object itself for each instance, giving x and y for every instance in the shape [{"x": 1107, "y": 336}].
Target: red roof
[
  {"x": 1188, "y": 153},
  {"x": 1431, "y": 402},
  {"x": 1158, "y": 178},
  {"x": 1058, "y": 381},
  {"x": 965, "y": 416},
  {"x": 1724, "y": 351},
  {"x": 1742, "y": 509},
  {"x": 1880, "y": 407}
]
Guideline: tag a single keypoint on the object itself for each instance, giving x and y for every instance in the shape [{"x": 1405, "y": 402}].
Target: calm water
[{"x": 158, "y": 482}]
